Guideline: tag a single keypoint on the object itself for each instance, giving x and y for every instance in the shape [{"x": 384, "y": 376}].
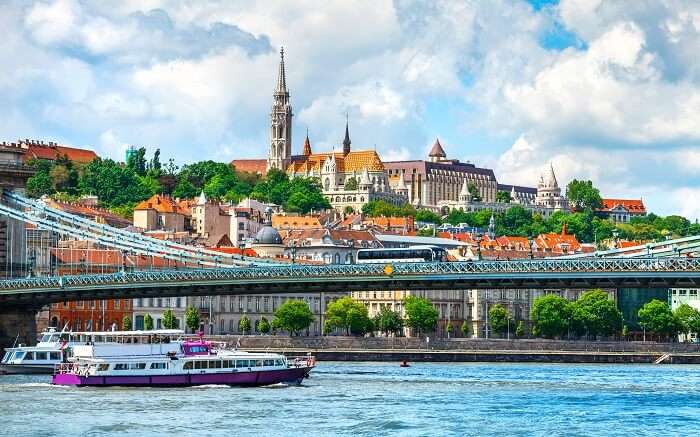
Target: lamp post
[
  {"x": 529, "y": 246},
  {"x": 477, "y": 238},
  {"x": 293, "y": 250},
  {"x": 648, "y": 246}
]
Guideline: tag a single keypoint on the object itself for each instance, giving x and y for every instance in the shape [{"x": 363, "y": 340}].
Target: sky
[{"x": 602, "y": 90}]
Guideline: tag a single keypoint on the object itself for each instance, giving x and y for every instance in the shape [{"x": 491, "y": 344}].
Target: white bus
[{"x": 413, "y": 254}]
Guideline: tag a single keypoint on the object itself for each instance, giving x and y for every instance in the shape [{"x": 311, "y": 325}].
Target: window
[
  {"x": 40, "y": 355},
  {"x": 159, "y": 365},
  {"x": 269, "y": 363},
  {"x": 227, "y": 364},
  {"x": 54, "y": 356},
  {"x": 29, "y": 356},
  {"x": 137, "y": 366},
  {"x": 187, "y": 366},
  {"x": 215, "y": 364},
  {"x": 102, "y": 367},
  {"x": 198, "y": 364},
  {"x": 121, "y": 366},
  {"x": 242, "y": 363}
]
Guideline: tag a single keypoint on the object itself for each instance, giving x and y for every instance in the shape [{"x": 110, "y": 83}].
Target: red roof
[
  {"x": 258, "y": 166},
  {"x": 631, "y": 205},
  {"x": 162, "y": 204},
  {"x": 52, "y": 152}
]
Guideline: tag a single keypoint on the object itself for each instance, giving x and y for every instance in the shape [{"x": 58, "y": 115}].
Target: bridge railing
[{"x": 399, "y": 270}]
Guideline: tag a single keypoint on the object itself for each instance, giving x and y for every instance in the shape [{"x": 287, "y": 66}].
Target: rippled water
[{"x": 377, "y": 399}]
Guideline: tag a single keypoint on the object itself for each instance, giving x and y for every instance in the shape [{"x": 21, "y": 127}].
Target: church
[{"x": 349, "y": 178}]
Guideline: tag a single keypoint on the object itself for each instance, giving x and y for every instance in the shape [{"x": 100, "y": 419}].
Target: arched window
[
  {"x": 327, "y": 184},
  {"x": 336, "y": 258},
  {"x": 348, "y": 258}
]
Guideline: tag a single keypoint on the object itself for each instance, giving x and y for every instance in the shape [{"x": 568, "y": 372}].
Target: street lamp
[
  {"x": 648, "y": 249},
  {"x": 293, "y": 250},
  {"x": 529, "y": 246},
  {"x": 477, "y": 238}
]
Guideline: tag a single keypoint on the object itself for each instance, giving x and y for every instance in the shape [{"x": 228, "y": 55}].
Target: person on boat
[{"x": 404, "y": 363}]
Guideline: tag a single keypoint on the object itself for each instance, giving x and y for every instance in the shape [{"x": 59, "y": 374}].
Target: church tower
[{"x": 280, "y": 154}]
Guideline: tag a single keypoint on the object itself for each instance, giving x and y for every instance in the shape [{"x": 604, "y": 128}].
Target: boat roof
[{"x": 132, "y": 333}]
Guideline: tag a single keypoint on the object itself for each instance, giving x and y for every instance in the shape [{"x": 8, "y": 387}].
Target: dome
[{"x": 268, "y": 235}]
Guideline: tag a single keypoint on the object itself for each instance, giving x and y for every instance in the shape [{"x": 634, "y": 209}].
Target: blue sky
[{"x": 606, "y": 91}]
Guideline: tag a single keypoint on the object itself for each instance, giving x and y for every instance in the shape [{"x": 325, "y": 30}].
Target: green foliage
[
  {"x": 499, "y": 319},
  {"x": 449, "y": 328},
  {"x": 184, "y": 189},
  {"x": 148, "y": 322},
  {"x": 420, "y": 314},
  {"x": 465, "y": 329},
  {"x": 550, "y": 316},
  {"x": 192, "y": 318},
  {"x": 687, "y": 319},
  {"x": 520, "y": 329},
  {"x": 583, "y": 195},
  {"x": 244, "y": 325},
  {"x": 351, "y": 184},
  {"x": 126, "y": 210},
  {"x": 379, "y": 208},
  {"x": 503, "y": 197},
  {"x": 656, "y": 317},
  {"x": 169, "y": 319},
  {"x": 474, "y": 191},
  {"x": 625, "y": 331},
  {"x": 126, "y": 323},
  {"x": 426, "y": 232},
  {"x": 293, "y": 316},
  {"x": 112, "y": 183},
  {"x": 136, "y": 162},
  {"x": 388, "y": 321},
  {"x": 349, "y": 315},
  {"x": 349, "y": 210},
  {"x": 264, "y": 326},
  {"x": 297, "y": 195},
  {"x": 426, "y": 216},
  {"x": 594, "y": 313},
  {"x": 40, "y": 184}
]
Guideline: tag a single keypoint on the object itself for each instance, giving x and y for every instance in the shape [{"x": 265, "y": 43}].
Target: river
[{"x": 358, "y": 399}]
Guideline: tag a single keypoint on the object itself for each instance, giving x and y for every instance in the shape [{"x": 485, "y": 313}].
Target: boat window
[
  {"x": 159, "y": 365},
  {"x": 121, "y": 366},
  {"x": 269, "y": 363},
  {"x": 198, "y": 364},
  {"x": 279, "y": 363},
  {"x": 227, "y": 364},
  {"x": 187, "y": 366},
  {"x": 241, "y": 363},
  {"x": 217, "y": 364},
  {"x": 54, "y": 356},
  {"x": 18, "y": 355},
  {"x": 28, "y": 357},
  {"x": 6, "y": 357},
  {"x": 102, "y": 367},
  {"x": 134, "y": 366},
  {"x": 40, "y": 355},
  {"x": 45, "y": 338},
  {"x": 259, "y": 363}
]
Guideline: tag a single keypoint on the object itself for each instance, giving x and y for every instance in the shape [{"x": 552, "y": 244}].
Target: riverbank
[{"x": 470, "y": 350}]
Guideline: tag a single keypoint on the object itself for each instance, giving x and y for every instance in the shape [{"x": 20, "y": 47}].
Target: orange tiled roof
[
  {"x": 353, "y": 161},
  {"x": 295, "y": 221},
  {"x": 53, "y": 152},
  {"x": 631, "y": 205},
  {"x": 162, "y": 204},
  {"x": 556, "y": 242},
  {"x": 391, "y": 222},
  {"x": 258, "y": 166}
]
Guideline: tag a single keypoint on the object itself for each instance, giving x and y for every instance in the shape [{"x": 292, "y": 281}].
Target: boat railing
[
  {"x": 62, "y": 368},
  {"x": 302, "y": 361}
]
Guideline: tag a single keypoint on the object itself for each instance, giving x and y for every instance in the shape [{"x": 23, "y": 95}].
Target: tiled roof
[
  {"x": 54, "y": 151},
  {"x": 437, "y": 149},
  {"x": 557, "y": 242},
  {"x": 631, "y": 205},
  {"x": 162, "y": 204},
  {"x": 354, "y": 161},
  {"x": 258, "y": 166},
  {"x": 295, "y": 221},
  {"x": 337, "y": 235},
  {"x": 91, "y": 212}
]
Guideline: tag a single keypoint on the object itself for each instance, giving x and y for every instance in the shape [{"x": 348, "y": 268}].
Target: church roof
[
  {"x": 258, "y": 166},
  {"x": 437, "y": 150},
  {"x": 353, "y": 161}
]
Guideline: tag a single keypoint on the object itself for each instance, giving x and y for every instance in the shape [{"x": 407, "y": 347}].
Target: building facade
[{"x": 621, "y": 210}]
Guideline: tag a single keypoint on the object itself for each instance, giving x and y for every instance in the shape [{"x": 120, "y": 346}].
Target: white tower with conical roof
[{"x": 280, "y": 154}]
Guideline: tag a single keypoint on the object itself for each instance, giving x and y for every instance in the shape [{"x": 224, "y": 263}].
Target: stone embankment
[{"x": 334, "y": 348}]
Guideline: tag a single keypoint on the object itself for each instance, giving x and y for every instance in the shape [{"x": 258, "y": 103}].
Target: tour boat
[
  {"x": 163, "y": 358},
  {"x": 41, "y": 358}
]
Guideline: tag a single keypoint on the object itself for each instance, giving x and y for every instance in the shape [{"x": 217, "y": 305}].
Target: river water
[{"x": 376, "y": 399}]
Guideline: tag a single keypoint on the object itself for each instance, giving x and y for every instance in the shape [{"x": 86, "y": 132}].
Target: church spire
[
  {"x": 307, "y": 144},
  {"x": 281, "y": 76},
  {"x": 346, "y": 141}
]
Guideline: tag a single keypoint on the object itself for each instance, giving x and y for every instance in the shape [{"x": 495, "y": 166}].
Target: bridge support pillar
[{"x": 17, "y": 323}]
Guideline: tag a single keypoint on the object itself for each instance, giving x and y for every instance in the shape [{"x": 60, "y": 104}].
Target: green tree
[
  {"x": 656, "y": 317},
  {"x": 184, "y": 189},
  {"x": 594, "y": 313},
  {"x": 503, "y": 197},
  {"x": 465, "y": 329},
  {"x": 499, "y": 319},
  {"x": 126, "y": 323},
  {"x": 550, "y": 316},
  {"x": 388, "y": 321},
  {"x": 293, "y": 316},
  {"x": 421, "y": 315},
  {"x": 583, "y": 195},
  {"x": 349, "y": 210},
  {"x": 169, "y": 319},
  {"x": 40, "y": 184},
  {"x": 113, "y": 184},
  {"x": 379, "y": 208},
  {"x": 264, "y": 326},
  {"x": 520, "y": 329},
  {"x": 687, "y": 319},
  {"x": 136, "y": 162},
  {"x": 244, "y": 325},
  {"x": 425, "y": 216},
  {"x": 192, "y": 318},
  {"x": 148, "y": 322},
  {"x": 351, "y": 184},
  {"x": 449, "y": 328},
  {"x": 348, "y": 314},
  {"x": 625, "y": 332},
  {"x": 474, "y": 191}
]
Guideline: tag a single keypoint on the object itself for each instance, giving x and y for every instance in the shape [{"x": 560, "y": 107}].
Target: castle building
[
  {"x": 349, "y": 178},
  {"x": 440, "y": 179},
  {"x": 549, "y": 193}
]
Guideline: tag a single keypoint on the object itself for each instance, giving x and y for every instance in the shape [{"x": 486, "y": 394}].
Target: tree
[
  {"x": 503, "y": 197},
  {"x": 583, "y": 195},
  {"x": 449, "y": 329},
  {"x": 349, "y": 210},
  {"x": 136, "y": 161},
  {"x": 656, "y": 317},
  {"x": 169, "y": 319},
  {"x": 293, "y": 316},
  {"x": 348, "y": 314},
  {"x": 426, "y": 216},
  {"x": 264, "y": 326},
  {"x": 351, "y": 184},
  {"x": 388, "y": 321},
  {"x": 40, "y": 184},
  {"x": 113, "y": 184},
  {"x": 687, "y": 319},
  {"x": 148, "y": 322},
  {"x": 126, "y": 323},
  {"x": 550, "y": 316},
  {"x": 184, "y": 189},
  {"x": 192, "y": 318},
  {"x": 499, "y": 319},
  {"x": 625, "y": 332},
  {"x": 520, "y": 329},
  {"x": 465, "y": 329},
  {"x": 594, "y": 313},
  {"x": 244, "y": 325},
  {"x": 420, "y": 314}
]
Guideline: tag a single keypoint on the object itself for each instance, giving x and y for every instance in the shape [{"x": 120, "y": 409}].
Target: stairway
[{"x": 662, "y": 358}]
